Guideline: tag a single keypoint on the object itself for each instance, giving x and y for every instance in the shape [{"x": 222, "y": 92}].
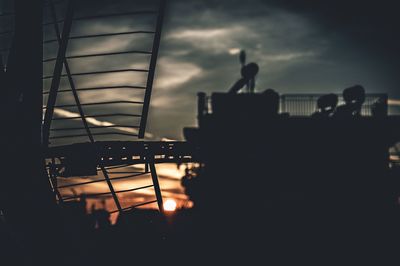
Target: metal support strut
[{"x": 61, "y": 60}]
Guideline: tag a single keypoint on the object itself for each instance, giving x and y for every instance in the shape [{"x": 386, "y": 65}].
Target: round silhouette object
[
  {"x": 354, "y": 94},
  {"x": 327, "y": 102},
  {"x": 249, "y": 71}
]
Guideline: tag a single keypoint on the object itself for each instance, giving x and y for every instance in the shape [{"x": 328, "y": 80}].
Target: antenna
[
  {"x": 242, "y": 57},
  {"x": 248, "y": 73}
]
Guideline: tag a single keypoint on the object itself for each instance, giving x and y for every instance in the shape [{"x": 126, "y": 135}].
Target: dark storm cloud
[{"x": 366, "y": 29}]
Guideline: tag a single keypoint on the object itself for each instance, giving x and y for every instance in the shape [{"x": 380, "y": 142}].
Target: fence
[{"x": 300, "y": 104}]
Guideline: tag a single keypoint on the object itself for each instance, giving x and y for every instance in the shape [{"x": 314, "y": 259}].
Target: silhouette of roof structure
[{"x": 90, "y": 96}]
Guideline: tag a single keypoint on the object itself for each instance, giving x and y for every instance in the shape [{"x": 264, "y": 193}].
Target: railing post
[
  {"x": 201, "y": 106},
  {"x": 283, "y": 104},
  {"x": 385, "y": 102}
]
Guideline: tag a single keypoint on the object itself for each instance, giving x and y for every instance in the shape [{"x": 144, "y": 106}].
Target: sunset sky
[{"x": 301, "y": 46}]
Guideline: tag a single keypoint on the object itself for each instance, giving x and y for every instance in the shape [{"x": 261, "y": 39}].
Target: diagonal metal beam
[
  {"x": 153, "y": 62},
  {"x": 64, "y": 62},
  {"x": 156, "y": 187},
  {"x": 55, "y": 83}
]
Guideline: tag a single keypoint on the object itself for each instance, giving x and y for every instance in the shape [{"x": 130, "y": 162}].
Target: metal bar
[
  {"x": 103, "y": 16},
  {"x": 118, "y": 14},
  {"x": 107, "y": 193},
  {"x": 135, "y": 206},
  {"x": 53, "y": 178},
  {"x": 57, "y": 72},
  {"x": 113, "y": 34},
  {"x": 119, "y": 166},
  {"x": 127, "y": 176},
  {"x": 141, "y": 204},
  {"x": 100, "y": 72},
  {"x": 116, "y": 173},
  {"x": 104, "y": 35},
  {"x": 94, "y": 134},
  {"x": 103, "y": 88},
  {"x": 152, "y": 67},
  {"x": 100, "y": 54},
  {"x": 53, "y": 181},
  {"x": 97, "y": 103},
  {"x": 97, "y": 181},
  {"x": 91, "y": 127},
  {"x": 102, "y": 115},
  {"x": 157, "y": 189}
]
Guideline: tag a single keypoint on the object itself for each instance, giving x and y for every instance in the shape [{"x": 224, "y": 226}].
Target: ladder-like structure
[{"x": 73, "y": 111}]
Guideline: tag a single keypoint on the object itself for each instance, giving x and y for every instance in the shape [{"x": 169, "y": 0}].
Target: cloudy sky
[{"x": 301, "y": 46}]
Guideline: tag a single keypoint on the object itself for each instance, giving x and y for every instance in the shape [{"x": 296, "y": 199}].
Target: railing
[
  {"x": 297, "y": 104},
  {"x": 306, "y": 104},
  {"x": 117, "y": 153},
  {"x": 115, "y": 159}
]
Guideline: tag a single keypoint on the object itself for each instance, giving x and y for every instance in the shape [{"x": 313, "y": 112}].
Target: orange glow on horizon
[{"x": 170, "y": 205}]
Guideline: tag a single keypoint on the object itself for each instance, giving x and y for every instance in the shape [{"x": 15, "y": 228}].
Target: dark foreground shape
[{"x": 295, "y": 190}]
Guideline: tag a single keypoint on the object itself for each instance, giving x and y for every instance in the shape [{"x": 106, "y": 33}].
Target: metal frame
[{"x": 62, "y": 61}]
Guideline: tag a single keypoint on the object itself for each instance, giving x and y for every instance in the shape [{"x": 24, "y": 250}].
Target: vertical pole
[
  {"x": 152, "y": 68},
  {"x": 31, "y": 208},
  {"x": 201, "y": 107},
  {"x": 385, "y": 102}
]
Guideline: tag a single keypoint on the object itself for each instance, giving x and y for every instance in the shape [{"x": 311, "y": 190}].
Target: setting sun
[{"x": 170, "y": 205}]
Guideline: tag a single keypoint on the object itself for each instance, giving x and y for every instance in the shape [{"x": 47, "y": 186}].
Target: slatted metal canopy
[
  {"x": 99, "y": 67},
  {"x": 90, "y": 56}
]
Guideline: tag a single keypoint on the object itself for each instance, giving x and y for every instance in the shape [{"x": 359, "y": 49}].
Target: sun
[{"x": 170, "y": 205}]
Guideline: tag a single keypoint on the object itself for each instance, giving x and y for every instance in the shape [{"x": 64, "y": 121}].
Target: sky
[{"x": 301, "y": 46}]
